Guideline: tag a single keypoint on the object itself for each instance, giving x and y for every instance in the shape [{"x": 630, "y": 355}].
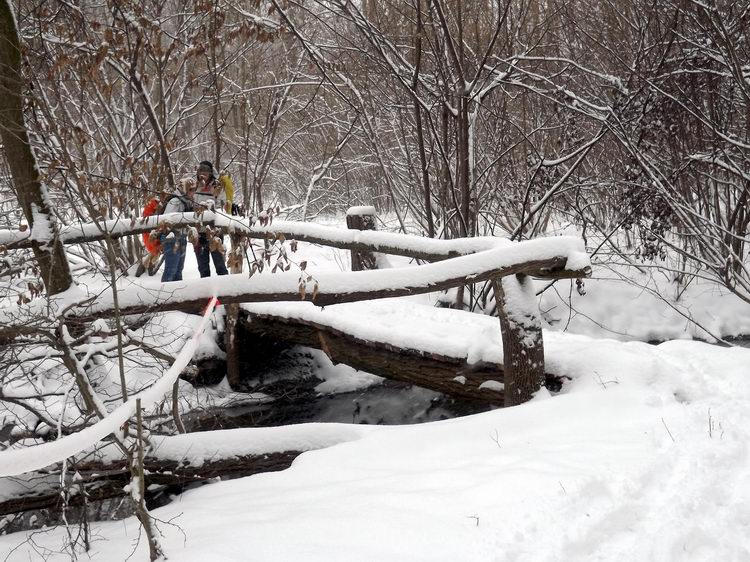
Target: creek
[{"x": 291, "y": 376}]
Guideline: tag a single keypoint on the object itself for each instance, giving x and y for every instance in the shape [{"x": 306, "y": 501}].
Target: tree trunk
[
  {"x": 137, "y": 82},
  {"x": 523, "y": 347},
  {"x": 423, "y": 165},
  {"x": 32, "y": 194}
]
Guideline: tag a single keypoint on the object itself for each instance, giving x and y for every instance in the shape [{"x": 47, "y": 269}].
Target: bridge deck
[
  {"x": 406, "y": 323},
  {"x": 401, "y": 327}
]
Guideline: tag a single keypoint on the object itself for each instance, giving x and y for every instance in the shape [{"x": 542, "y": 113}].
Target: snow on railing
[
  {"x": 420, "y": 247},
  {"x": 386, "y": 242}
]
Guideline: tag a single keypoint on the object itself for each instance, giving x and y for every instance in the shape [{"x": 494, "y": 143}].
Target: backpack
[
  {"x": 154, "y": 207},
  {"x": 152, "y": 245},
  {"x": 228, "y": 185}
]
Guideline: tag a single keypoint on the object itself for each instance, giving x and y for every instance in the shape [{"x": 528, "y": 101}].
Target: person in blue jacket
[{"x": 174, "y": 244}]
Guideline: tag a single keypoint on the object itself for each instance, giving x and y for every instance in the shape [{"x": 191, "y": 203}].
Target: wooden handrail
[{"x": 412, "y": 246}]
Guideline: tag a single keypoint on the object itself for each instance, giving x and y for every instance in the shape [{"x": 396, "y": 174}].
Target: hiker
[
  {"x": 212, "y": 196},
  {"x": 174, "y": 244}
]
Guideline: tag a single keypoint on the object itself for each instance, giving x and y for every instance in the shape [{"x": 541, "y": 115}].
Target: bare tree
[{"x": 31, "y": 192}]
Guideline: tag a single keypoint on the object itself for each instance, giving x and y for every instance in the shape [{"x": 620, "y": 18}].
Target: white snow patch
[
  {"x": 492, "y": 385},
  {"x": 366, "y": 210}
]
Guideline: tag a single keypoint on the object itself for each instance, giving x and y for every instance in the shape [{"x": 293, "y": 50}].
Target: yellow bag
[{"x": 226, "y": 183}]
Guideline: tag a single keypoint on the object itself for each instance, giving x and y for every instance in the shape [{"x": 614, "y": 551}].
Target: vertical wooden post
[
  {"x": 362, "y": 218},
  {"x": 521, "y": 327},
  {"x": 233, "y": 313}
]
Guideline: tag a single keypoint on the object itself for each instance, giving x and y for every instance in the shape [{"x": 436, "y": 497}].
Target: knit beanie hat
[{"x": 206, "y": 166}]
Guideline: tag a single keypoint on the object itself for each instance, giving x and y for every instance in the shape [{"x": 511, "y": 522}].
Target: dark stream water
[
  {"x": 741, "y": 341},
  {"x": 289, "y": 375},
  {"x": 291, "y": 379}
]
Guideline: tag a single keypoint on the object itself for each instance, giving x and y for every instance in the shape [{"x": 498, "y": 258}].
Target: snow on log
[
  {"x": 362, "y": 218},
  {"x": 192, "y": 457},
  {"x": 429, "y": 249},
  {"x": 100, "y": 481},
  {"x": 140, "y": 297}
]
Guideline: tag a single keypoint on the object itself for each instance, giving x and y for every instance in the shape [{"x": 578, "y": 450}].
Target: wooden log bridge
[
  {"x": 454, "y": 376},
  {"x": 507, "y": 265}
]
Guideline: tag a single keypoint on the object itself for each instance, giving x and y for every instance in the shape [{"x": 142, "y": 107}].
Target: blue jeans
[
  {"x": 174, "y": 257},
  {"x": 202, "y": 252}
]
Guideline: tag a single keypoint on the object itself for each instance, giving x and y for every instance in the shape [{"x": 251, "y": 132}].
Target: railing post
[
  {"x": 521, "y": 330},
  {"x": 362, "y": 218},
  {"x": 234, "y": 375}
]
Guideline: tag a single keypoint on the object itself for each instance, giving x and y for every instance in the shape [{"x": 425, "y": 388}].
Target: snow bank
[{"x": 643, "y": 457}]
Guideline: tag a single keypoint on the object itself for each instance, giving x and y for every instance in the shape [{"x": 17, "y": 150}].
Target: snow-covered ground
[{"x": 642, "y": 456}]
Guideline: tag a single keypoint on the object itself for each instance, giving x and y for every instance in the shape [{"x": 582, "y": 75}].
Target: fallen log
[
  {"x": 99, "y": 481},
  {"x": 452, "y": 376}
]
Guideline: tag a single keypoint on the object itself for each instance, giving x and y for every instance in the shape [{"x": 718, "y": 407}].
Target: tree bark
[
  {"x": 32, "y": 194},
  {"x": 521, "y": 328}
]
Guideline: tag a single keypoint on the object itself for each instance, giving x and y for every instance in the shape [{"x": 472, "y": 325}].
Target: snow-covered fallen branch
[
  {"x": 192, "y": 457},
  {"x": 18, "y": 461}
]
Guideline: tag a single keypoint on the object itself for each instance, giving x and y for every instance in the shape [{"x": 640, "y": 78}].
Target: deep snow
[{"x": 644, "y": 457}]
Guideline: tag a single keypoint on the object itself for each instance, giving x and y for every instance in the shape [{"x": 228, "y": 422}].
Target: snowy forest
[{"x": 383, "y": 280}]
